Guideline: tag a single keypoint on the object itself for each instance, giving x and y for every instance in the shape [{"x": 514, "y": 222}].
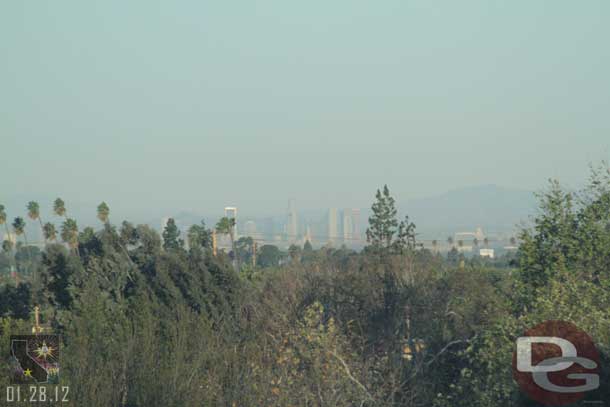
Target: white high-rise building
[
  {"x": 332, "y": 225},
  {"x": 250, "y": 228},
  {"x": 348, "y": 226},
  {"x": 292, "y": 226},
  {"x": 356, "y": 224},
  {"x": 231, "y": 212},
  {"x": 308, "y": 235}
]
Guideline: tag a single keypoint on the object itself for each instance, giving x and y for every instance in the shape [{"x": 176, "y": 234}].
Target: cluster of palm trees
[
  {"x": 475, "y": 242},
  {"x": 69, "y": 227}
]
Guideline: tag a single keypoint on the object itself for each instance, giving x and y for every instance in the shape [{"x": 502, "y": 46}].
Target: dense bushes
[{"x": 395, "y": 325}]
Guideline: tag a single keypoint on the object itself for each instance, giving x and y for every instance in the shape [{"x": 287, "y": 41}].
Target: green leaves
[
  {"x": 226, "y": 225},
  {"x": 171, "y": 236},
  {"x": 383, "y": 222},
  {"x": 199, "y": 236},
  {"x": 59, "y": 207},
  {"x": 385, "y": 234},
  {"x": 49, "y": 231},
  {"x": 568, "y": 236},
  {"x": 69, "y": 233},
  {"x": 33, "y": 210},
  {"x": 103, "y": 212},
  {"x": 18, "y": 226},
  {"x": 2, "y": 215}
]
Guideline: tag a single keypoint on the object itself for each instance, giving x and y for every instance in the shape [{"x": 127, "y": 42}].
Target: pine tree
[
  {"x": 171, "y": 236},
  {"x": 382, "y": 223},
  {"x": 385, "y": 233}
]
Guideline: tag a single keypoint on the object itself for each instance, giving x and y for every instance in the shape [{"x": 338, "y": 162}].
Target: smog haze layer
[{"x": 166, "y": 106}]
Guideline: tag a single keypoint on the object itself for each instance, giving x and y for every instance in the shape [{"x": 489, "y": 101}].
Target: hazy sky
[{"x": 198, "y": 104}]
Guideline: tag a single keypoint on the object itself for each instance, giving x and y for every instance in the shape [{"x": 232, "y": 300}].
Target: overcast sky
[{"x": 197, "y": 104}]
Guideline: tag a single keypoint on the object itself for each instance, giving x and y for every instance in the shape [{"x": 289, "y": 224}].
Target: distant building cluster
[
  {"x": 343, "y": 227},
  {"x": 337, "y": 228}
]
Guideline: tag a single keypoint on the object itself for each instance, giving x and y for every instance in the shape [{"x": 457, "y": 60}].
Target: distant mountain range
[{"x": 495, "y": 209}]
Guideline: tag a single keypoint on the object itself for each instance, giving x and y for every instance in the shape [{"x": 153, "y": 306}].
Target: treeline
[{"x": 148, "y": 320}]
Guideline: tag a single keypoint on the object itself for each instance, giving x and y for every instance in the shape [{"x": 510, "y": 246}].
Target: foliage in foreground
[{"x": 147, "y": 322}]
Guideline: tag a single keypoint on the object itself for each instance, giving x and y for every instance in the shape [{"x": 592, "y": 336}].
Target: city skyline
[{"x": 495, "y": 209}]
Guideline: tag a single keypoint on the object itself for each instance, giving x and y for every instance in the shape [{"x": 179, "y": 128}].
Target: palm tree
[
  {"x": 450, "y": 241},
  {"x": 103, "y": 212},
  {"x": 34, "y": 213},
  {"x": 227, "y": 226},
  {"x": 49, "y": 231},
  {"x": 59, "y": 207},
  {"x": 19, "y": 228},
  {"x": 3, "y": 221},
  {"x": 7, "y": 244},
  {"x": 475, "y": 242},
  {"x": 486, "y": 242},
  {"x": 69, "y": 233}
]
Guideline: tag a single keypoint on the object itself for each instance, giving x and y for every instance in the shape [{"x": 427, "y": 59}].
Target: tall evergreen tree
[
  {"x": 128, "y": 233},
  {"x": 551, "y": 244},
  {"x": 199, "y": 236},
  {"x": 385, "y": 233},
  {"x": 382, "y": 223},
  {"x": 171, "y": 236}
]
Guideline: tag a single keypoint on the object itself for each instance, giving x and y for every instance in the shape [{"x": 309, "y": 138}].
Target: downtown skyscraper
[
  {"x": 332, "y": 225},
  {"x": 292, "y": 224}
]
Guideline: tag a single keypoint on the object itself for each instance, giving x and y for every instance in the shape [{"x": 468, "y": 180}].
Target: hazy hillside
[{"x": 494, "y": 208}]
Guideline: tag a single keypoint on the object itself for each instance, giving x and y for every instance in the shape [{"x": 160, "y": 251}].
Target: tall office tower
[
  {"x": 356, "y": 224},
  {"x": 332, "y": 225},
  {"x": 292, "y": 224},
  {"x": 250, "y": 228},
  {"x": 266, "y": 228},
  {"x": 231, "y": 212},
  {"x": 348, "y": 226},
  {"x": 308, "y": 236}
]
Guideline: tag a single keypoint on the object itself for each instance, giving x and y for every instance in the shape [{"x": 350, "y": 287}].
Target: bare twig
[{"x": 351, "y": 377}]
